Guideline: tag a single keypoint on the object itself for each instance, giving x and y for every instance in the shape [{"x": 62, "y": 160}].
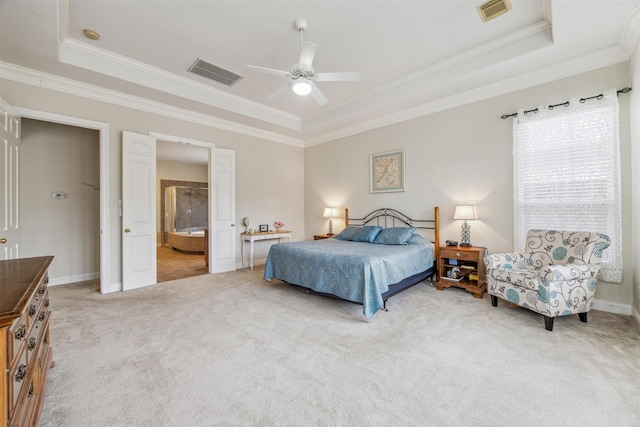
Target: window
[{"x": 567, "y": 173}]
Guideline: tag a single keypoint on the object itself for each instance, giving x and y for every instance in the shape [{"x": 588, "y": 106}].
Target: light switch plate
[{"x": 58, "y": 195}]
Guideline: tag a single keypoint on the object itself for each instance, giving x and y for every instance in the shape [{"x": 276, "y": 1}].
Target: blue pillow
[
  {"x": 348, "y": 233},
  {"x": 368, "y": 233},
  {"x": 417, "y": 239},
  {"x": 395, "y": 236}
]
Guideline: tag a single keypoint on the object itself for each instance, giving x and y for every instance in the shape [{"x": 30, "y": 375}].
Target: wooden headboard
[{"x": 387, "y": 217}]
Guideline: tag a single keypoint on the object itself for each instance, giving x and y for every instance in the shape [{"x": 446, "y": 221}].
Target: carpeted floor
[{"x": 232, "y": 349}]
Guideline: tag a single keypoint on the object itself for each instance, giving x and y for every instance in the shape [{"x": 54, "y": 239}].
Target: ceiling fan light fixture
[{"x": 301, "y": 87}]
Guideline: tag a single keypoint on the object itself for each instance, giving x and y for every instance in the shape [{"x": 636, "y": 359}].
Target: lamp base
[{"x": 466, "y": 245}]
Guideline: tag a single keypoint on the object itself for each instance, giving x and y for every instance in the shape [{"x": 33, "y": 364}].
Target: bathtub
[{"x": 188, "y": 243}]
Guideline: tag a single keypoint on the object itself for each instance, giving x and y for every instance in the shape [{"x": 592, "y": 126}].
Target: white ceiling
[{"x": 414, "y": 57}]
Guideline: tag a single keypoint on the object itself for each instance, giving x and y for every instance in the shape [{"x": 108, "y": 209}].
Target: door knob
[
  {"x": 127, "y": 230},
  {"x": 233, "y": 225},
  {"x": 3, "y": 240}
]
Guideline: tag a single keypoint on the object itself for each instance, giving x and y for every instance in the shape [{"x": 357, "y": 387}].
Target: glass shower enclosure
[{"x": 186, "y": 210}]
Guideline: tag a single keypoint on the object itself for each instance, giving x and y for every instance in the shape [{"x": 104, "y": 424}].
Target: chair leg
[
  {"x": 548, "y": 323},
  {"x": 494, "y": 300},
  {"x": 583, "y": 317}
]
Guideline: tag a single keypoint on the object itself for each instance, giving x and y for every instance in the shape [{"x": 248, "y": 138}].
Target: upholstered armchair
[{"x": 556, "y": 276}]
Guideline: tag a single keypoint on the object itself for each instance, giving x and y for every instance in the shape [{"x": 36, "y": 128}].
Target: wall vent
[
  {"x": 493, "y": 8},
  {"x": 215, "y": 73}
]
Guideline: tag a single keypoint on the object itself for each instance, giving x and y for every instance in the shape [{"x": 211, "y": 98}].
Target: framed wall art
[{"x": 386, "y": 172}]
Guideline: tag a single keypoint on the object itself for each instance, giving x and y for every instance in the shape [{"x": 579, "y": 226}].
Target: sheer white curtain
[{"x": 567, "y": 173}]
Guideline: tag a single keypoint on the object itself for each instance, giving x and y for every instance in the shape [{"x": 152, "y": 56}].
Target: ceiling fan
[{"x": 302, "y": 74}]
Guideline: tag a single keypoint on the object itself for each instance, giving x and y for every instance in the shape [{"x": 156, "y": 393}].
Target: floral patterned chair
[{"x": 556, "y": 276}]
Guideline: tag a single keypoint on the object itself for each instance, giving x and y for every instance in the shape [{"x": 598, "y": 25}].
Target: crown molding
[
  {"x": 630, "y": 31},
  {"x": 583, "y": 64},
  {"x": 49, "y": 81},
  {"x": 104, "y": 62},
  {"x": 537, "y": 34}
]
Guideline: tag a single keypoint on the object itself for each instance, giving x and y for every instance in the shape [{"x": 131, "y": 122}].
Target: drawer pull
[
  {"x": 32, "y": 343},
  {"x": 46, "y": 302},
  {"x": 20, "y": 373},
  {"x": 42, "y": 289},
  {"x": 32, "y": 310},
  {"x": 42, "y": 315},
  {"x": 21, "y": 332},
  {"x": 457, "y": 253},
  {"x": 30, "y": 393}
]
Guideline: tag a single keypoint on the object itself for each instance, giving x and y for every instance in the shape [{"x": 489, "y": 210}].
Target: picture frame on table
[
  {"x": 263, "y": 228},
  {"x": 387, "y": 171}
]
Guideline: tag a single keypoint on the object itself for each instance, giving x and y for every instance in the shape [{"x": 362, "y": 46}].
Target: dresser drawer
[
  {"x": 17, "y": 337},
  {"x": 17, "y": 376},
  {"x": 41, "y": 293}
]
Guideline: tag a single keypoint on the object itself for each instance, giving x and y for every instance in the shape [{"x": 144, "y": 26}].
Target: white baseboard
[
  {"x": 256, "y": 262},
  {"x": 611, "y": 307},
  {"x": 56, "y": 281}
]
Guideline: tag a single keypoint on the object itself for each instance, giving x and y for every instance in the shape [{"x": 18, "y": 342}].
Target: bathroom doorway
[{"x": 182, "y": 206}]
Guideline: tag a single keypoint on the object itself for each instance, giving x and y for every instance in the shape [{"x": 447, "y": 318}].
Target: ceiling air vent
[
  {"x": 215, "y": 73},
  {"x": 493, "y": 8}
]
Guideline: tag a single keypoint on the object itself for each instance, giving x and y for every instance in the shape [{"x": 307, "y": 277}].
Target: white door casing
[
  {"x": 222, "y": 199},
  {"x": 138, "y": 211},
  {"x": 9, "y": 182}
]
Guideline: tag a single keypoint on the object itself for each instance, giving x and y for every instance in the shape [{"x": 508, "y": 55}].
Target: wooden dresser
[{"x": 26, "y": 353}]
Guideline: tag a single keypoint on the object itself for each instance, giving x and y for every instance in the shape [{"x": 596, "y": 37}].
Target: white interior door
[
  {"x": 138, "y": 210},
  {"x": 222, "y": 199},
  {"x": 9, "y": 182}
]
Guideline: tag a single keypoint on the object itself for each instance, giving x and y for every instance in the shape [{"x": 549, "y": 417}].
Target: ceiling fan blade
[
  {"x": 307, "y": 53},
  {"x": 278, "y": 92},
  {"x": 338, "y": 77},
  {"x": 270, "y": 71},
  {"x": 317, "y": 95}
]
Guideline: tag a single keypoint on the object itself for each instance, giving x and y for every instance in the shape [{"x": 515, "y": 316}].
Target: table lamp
[
  {"x": 465, "y": 212},
  {"x": 330, "y": 213}
]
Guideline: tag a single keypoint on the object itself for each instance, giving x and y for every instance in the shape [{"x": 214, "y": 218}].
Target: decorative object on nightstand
[
  {"x": 278, "y": 225},
  {"x": 465, "y": 212},
  {"x": 330, "y": 213},
  {"x": 462, "y": 267}
]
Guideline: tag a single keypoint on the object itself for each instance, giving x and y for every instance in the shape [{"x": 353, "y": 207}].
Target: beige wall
[
  {"x": 269, "y": 175},
  {"x": 461, "y": 155},
  {"x": 59, "y": 158}
]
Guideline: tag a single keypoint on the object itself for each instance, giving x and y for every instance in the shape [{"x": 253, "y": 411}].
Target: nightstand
[
  {"x": 322, "y": 236},
  {"x": 462, "y": 267}
]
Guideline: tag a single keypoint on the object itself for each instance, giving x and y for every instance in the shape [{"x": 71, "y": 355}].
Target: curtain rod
[{"x": 566, "y": 103}]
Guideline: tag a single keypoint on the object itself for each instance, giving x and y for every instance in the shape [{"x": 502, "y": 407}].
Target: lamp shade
[
  {"x": 330, "y": 213},
  {"x": 465, "y": 212}
]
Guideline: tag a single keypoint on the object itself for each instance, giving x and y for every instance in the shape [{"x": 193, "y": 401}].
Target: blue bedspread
[{"x": 354, "y": 271}]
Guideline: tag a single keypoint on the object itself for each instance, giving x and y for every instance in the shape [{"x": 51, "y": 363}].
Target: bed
[{"x": 362, "y": 264}]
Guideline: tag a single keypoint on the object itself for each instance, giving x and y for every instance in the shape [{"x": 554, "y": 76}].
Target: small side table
[
  {"x": 267, "y": 235},
  {"x": 322, "y": 236},
  {"x": 469, "y": 261}
]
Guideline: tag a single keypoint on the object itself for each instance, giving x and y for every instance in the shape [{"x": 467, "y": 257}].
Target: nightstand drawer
[{"x": 459, "y": 254}]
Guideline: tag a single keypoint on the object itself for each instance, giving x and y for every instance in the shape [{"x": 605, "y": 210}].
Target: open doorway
[
  {"x": 182, "y": 171},
  {"x": 60, "y": 198}
]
